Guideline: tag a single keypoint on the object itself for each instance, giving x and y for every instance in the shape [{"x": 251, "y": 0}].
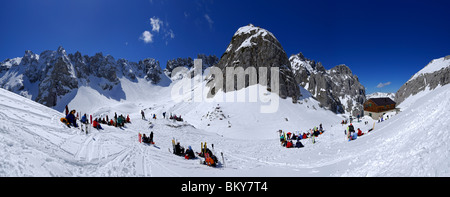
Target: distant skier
[
  {"x": 143, "y": 114},
  {"x": 115, "y": 118}
]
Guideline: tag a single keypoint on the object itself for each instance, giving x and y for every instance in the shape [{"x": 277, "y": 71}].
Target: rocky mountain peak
[
  {"x": 436, "y": 73},
  {"x": 256, "y": 47},
  {"x": 61, "y": 50},
  {"x": 336, "y": 89},
  {"x": 341, "y": 69}
]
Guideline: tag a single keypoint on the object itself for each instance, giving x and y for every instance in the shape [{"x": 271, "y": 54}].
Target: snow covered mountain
[
  {"x": 435, "y": 74},
  {"x": 255, "y": 47},
  {"x": 380, "y": 95},
  {"x": 336, "y": 89},
  {"x": 55, "y": 76}
]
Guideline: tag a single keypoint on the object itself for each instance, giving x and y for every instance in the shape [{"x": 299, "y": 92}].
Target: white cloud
[
  {"x": 156, "y": 24},
  {"x": 380, "y": 85},
  {"x": 160, "y": 27},
  {"x": 210, "y": 21},
  {"x": 170, "y": 34},
  {"x": 147, "y": 37}
]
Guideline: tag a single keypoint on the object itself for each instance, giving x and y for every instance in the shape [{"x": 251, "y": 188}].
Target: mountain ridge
[
  {"x": 336, "y": 89},
  {"x": 51, "y": 75}
]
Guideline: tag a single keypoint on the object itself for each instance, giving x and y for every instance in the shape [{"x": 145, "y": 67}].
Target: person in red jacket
[
  {"x": 128, "y": 119},
  {"x": 96, "y": 125},
  {"x": 289, "y": 144},
  {"x": 360, "y": 133}
]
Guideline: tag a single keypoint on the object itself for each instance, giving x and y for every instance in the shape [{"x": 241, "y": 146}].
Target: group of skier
[
  {"x": 171, "y": 117},
  {"x": 353, "y": 134},
  {"x": 209, "y": 158},
  {"x": 72, "y": 116},
  {"x": 286, "y": 138}
]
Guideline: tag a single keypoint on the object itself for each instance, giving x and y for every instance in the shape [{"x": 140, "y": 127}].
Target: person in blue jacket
[
  {"x": 355, "y": 135},
  {"x": 84, "y": 119},
  {"x": 71, "y": 118}
]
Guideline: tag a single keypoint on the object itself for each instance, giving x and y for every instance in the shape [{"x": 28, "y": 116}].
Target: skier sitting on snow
[
  {"x": 209, "y": 160},
  {"x": 189, "y": 153},
  {"x": 145, "y": 139},
  {"x": 355, "y": 135},
  {"x": 128, "y": 119},
  {"x": 294, "y": 137},
  {"x": 299, "y": 144},
  {"x": 316, "y": 132},
  {"x": 360, "y": 133},
  {"x": 96, "y": 125},
  {"x": 71, "y": 118},
  {"x": 178, "y": 150},
  {"x": 289, "y": 144}
]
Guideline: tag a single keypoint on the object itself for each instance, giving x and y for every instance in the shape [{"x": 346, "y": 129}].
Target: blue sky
[{"x": 383, "y": 41}]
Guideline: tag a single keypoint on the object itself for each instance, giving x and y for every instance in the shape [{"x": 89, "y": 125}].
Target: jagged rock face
[
  {"x": 207, "y": 61},
  {"x": 336, "y": 89},
  {"x": 347, "y": 87},
  {"x": 437, "y": 72},
  {"x": 256, "y": 47},
  {"x": 58, "y": 82},
  {"x": 53, "y": 74},
  {"x": 104, "y": 67},
  {"x": 151, "y": 70}
]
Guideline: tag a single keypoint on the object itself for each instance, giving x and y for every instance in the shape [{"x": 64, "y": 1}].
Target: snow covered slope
[
  {"x": 433, "y": 66},
  {"x": 435, "y": 74},
  {"x": 35, "y": 143},
  {"x": 380, "y": 95}
]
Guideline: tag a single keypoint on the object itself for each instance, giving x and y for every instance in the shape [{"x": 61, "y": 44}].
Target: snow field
[{"x": 35, "y": 143}]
